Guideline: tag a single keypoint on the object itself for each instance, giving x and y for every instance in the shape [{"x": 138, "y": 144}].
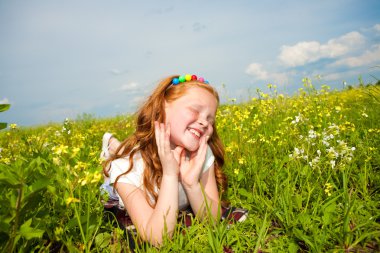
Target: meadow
[{"x": 306, "y": 166}]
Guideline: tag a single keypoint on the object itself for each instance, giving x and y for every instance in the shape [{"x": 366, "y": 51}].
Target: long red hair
[{"x": 143, "y": 139}]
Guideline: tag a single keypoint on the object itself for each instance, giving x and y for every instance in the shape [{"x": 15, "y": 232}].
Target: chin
[{"x": 191, "y": 148}]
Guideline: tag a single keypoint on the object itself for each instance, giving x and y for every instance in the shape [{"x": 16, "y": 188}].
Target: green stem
[
  {"x": 88, "y": 216},
  {"x": 80, "y": 226},
  {"x": 11, "y": 243}
]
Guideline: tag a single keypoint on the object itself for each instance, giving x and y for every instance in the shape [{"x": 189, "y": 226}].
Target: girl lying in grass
[{"x": 173, "y": 160}]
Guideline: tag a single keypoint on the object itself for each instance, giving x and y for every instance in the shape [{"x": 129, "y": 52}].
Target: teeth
[{"x": 195, "y": 132}]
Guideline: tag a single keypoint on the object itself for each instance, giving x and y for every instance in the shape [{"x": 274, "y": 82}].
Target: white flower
[{"x": 312, "y": 134}]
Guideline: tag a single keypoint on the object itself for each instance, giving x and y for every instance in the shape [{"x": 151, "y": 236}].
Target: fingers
[
  {"x": 162, "y": 135},
  {"x": 177, "y": 153},
  {"x": 166, "y": 133},
  {"x": 159, "y": 130},
  {"x": 202, "y": 147},
  {"x": 156, "y": 132},
  {"x": 183, "y": 157}
]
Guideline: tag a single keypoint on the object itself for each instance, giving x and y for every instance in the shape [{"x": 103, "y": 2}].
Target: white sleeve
[
  {"x": 209, "y": 160},
  {"x": 121, "y": 165}
]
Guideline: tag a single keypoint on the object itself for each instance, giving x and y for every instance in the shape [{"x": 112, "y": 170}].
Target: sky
[{"x": 63, "y": 59}]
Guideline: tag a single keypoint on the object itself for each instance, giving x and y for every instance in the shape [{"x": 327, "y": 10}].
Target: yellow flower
[
  {"x": 328, "y": 188},
  {"x": 61, "y": 149},
  {"x": 96, "y": 177},
  {"x": 236, "y": 171},
  {"x": 75, "y": 151},
  {"x": 241, "y": 160},
  {"x": 13, "y": 126},
  {"x": 70, "y": 200},
  {"x": 5, "y": 160},
  {"x": 83, "y": 182},
  {"x": 80, "y": 165},
  {"x": 56, "y": 160}
]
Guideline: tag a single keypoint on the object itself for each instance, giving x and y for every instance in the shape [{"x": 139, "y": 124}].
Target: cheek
[{"x": 210, "y": 130}]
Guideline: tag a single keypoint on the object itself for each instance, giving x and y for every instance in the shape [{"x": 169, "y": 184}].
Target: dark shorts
[{"x": 185, "y": 217}]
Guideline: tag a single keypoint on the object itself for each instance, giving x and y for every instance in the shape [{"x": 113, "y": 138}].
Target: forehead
[{"x": 198, "y": 95}]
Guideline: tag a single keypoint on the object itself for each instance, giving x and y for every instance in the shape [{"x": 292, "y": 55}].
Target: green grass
[{"x": 306, "y": 167}]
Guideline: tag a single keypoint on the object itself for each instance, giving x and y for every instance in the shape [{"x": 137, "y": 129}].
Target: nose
[{"x": 203, "y": 122}]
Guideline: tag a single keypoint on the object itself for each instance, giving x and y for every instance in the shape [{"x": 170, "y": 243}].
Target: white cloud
[
  {"x": 368, "y": 58},
  {"x": 311, "y": 51},
  {"x": 117, "y": 72},
  {"x": 377, "y": 28},
  {"x": 132, "y": 86},
  {"x": 137, "y": 101},
  {"x": 257, "y": 71}
]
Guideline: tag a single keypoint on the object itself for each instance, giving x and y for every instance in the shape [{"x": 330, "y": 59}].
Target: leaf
[
  {"x": 4, "y": 226},
  {"x": 29, "y": 232},
  {"x": 38, "y": 185},
  {"x": 9, "y": 179},
  {"x": 4, "y": 107},
  {"x": 327, "y": 218},
  {"x": 3, "y": 125},
  {"x": 103, "y": 240},
  {"x": 301, "y": 236},
  {"x": 293, "y": 247},
  {"x": 245, "y": 193}
]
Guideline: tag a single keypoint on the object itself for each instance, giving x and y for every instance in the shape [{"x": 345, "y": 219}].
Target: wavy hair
[{"x": 143, "y": 139}]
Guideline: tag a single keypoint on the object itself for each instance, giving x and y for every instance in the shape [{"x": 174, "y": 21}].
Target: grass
[{"x": 306, "y": 167}]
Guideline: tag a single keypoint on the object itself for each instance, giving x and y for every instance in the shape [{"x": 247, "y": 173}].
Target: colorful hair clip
[{"x": 186, "y": 78}]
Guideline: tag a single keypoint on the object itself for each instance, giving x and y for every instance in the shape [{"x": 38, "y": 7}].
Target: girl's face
[{"x": 191, "y": 117}]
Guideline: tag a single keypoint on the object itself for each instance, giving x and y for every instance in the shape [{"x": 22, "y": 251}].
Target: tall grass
[{"x": 306, "y": 167}]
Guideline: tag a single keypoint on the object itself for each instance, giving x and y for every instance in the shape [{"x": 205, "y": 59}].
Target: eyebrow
[{"x": 198, "y": 106}]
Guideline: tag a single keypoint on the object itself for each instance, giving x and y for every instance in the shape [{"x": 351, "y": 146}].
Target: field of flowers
[{"x": 307, "y": 167}]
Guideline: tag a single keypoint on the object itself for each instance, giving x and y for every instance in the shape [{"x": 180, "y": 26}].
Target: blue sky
[{"x": 60, "y": 59}]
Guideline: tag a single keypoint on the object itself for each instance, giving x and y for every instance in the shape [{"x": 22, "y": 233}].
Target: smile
[{"x": 195, "y": 132}]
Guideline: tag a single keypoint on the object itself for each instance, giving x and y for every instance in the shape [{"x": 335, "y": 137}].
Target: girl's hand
[
  {"x": 190, "y": 168},
  {"x": 170, "y": 164}
]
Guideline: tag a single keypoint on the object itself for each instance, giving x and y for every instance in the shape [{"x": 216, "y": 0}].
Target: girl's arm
[
  {"x": 152, "y": 223},
  {"x": 197, "y": 197},
  {"x": 190, "y": 172}
]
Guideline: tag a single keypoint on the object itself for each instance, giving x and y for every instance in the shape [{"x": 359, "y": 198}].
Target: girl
[{"x": 173, "y": 159}]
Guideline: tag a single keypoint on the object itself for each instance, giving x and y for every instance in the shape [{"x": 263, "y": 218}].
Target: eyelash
[{"x": 196, "y": 112}]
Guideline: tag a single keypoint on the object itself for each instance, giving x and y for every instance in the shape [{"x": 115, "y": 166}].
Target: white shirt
[{"x": 135, "y": 176}]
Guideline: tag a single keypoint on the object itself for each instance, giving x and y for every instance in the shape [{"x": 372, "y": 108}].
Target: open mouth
[{"x": 195, "y": 133}]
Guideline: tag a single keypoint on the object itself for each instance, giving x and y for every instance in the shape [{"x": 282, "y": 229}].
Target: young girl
[{"x": 173, "y": 159}]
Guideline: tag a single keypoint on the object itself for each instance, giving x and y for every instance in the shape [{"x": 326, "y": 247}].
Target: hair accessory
[{"x": 186, "y": 78}]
